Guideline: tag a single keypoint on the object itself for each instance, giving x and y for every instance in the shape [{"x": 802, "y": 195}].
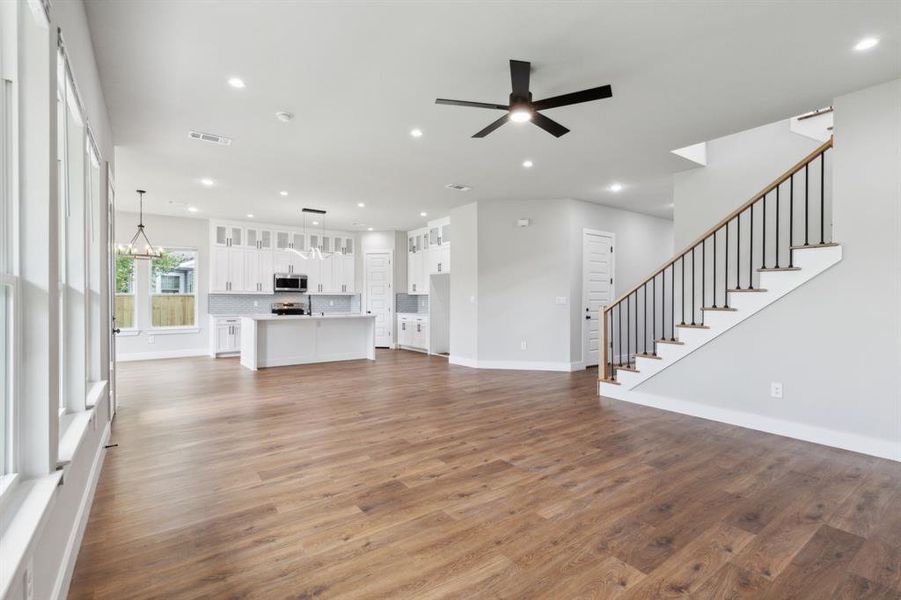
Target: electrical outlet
[
  {"x": 151, "y": 339},
  {"x": 331, "y": 302},
  {"x": 256, "y": 303},
  {"x": 775, "y": 389},
  {"x": 522, "y": 345},
  {"x": 560, "y": 300}
]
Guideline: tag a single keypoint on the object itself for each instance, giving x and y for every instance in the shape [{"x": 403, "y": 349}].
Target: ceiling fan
[{"x": 521, "y": 107}]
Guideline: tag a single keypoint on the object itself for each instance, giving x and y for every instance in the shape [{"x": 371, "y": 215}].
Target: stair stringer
[{"x": 811, "y": 262}]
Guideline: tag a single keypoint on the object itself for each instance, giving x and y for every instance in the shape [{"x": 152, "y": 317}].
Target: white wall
[
  {"x": 170, "y": 233},
  {"x": 464, "y": 289},
  {"x": 516, "y": 274},
  {"x": 834, "y": 343},
  {"x": 738, "y": 166}
]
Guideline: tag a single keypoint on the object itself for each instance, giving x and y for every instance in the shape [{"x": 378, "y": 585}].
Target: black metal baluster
[
  {"x": 672, "y": 301},
  {"x": 738, "y": 252},
  {"x": 751, "y": 251},
  {"x": 654, "y": 313},
  {"x": 823, "y": 197},
  {"x": 682, "y": 291},
  {"x": 791, "y": 219},
  {"x": 636, "y": 323},
  {"x": 763, "y": 235},
  {"x": 693, "y": 279},
  {"x": 726, "y": 273},
  {"x": 714, "y": 266},
  {"x": 704, "y": 274},
  {"x": 644, "y": 336},
  {"x": 777, "y": 226},
  {"x": 628, "y": 331},
  {"x": 619, "y": 318},
  {"x": 806, "y": 206}
]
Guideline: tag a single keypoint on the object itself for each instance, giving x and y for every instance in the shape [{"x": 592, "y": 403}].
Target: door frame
[
  {"x": 112, "y": 384},
  {"x": 584, "y": 328},
  {"x": 365, "y": 296}
]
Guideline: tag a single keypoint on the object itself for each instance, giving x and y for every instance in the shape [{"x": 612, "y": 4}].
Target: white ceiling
[{"x": 359, "y": 76}]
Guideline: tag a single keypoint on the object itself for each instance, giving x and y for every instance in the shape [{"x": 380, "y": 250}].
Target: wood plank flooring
[{"x": 410, "y": 478}]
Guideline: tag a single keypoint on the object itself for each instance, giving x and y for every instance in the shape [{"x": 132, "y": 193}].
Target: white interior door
[
  {"x": 597, "y": 288},
  {"x": 378, "y": 275},
  {"x": 111, "y": 245}
]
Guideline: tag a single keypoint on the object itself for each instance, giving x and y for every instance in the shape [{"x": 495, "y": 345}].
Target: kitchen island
[{"x": 280, "y": 340}]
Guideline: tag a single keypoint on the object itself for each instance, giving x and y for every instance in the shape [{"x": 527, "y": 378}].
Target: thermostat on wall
[{"x": 523, "y": 222}]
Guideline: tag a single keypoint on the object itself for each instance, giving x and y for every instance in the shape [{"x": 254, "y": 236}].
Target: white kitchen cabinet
[
  {"x": 417, "y": 261},
  {"x": 413, "y": 331},
  {"x": 439, "y": 260},
  {"x": 228, "y": 269},
  {"x": 258, "y": 238},
  {"x": 226, "y": 338},
  {"x": 259, "y": 267},
  {"x": 228, "y": 235}
]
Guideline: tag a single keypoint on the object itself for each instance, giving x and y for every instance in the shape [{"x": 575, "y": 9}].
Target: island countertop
[{"x": 270, "y": 317}]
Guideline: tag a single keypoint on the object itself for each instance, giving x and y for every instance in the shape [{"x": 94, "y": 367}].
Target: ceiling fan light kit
[{"x": 522, "y": 109}]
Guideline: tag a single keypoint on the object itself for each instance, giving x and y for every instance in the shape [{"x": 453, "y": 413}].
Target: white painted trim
[
  {"x": 132, "y": 356},
  {"x": 364, "y": 298},
  {"x": 889, "y": 449},
  {"x": 169, "y": 330},
  {"x": 67, "y": 567},
  {"x": 517, "y": 365}
]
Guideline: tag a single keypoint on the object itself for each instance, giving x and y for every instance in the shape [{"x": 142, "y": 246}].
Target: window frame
[
  {"x": 135, "y": 326},
  {"x": 151, "y": 285}
]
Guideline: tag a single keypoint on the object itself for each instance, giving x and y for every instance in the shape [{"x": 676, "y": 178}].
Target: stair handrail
[{"x": 785, "y": 176}]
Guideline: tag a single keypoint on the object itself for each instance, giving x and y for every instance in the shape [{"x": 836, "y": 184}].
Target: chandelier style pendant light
[
  {"x": 140, "y": 247},
  {"x": 315, "y": 252}
]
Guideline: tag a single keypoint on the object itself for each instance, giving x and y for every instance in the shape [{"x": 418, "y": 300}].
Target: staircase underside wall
[{"x": 834, "y": 343}]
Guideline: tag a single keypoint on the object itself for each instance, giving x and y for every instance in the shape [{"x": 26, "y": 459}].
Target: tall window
[
  {"x": 125, "y": 292},
  {"x": 172, "y": 291},
  {"x": 8, "y": 279}
]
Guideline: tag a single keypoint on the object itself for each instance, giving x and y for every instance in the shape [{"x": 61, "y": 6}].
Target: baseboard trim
[
  {"x": 790, "y": 429},
  {"x": 73, "y": 545},
  {"x": 517, "y": 365},
  {"x": 132, "y": 356}
]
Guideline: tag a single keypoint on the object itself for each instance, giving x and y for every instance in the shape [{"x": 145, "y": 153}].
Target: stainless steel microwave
[{"x": 289, "y": 282}]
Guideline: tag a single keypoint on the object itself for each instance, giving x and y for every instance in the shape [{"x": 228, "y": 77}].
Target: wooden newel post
[{"x": 603, "y": 338}]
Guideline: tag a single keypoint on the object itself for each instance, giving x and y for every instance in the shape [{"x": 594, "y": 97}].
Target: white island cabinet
[{"x": 280, "y": 340}]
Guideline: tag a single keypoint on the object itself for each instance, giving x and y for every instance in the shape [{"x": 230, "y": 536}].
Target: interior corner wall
[
  {"x": 738, "y": 166},
  {"x": 464, "y": 289},
  {"x": 172, "y": 233},
  {"x": 834, "y": 343}
]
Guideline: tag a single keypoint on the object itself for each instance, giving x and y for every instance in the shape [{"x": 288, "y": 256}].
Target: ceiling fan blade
[
  {"x": 598, "y": 93},
  {"x": 472, "y": 104},
  {"x": 519, "y": 78},
  {"x": 492, "y": 127},
  {"x": 549, "y": 125}
]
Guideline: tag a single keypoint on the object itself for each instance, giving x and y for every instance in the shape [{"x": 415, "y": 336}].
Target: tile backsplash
[
  {"x": 412, "y": 303},
  {"x": 240, "y": 304}
]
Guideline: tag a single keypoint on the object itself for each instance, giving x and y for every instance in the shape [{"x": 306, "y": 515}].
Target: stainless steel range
[{"x": 288, "y": 308}]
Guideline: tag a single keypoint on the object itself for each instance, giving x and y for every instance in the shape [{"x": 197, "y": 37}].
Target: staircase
[{"x": 761, "y": 251}]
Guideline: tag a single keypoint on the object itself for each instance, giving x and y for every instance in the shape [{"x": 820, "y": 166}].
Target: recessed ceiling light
[
  {"x": 236, "y": 82},
  {"x": 416, "y": 132},
  {"x": 283, "y": 193},
  {"x": 527, "y": 164},
  {"x": 423, "y": 214},
  {"x": 192, "y": 209},
  {"x": 207, "y": 181},
  {"x": 520, "y": 115},
  {"x": 250, "y": 215},
  {"x": 369, "y": 229},
  {"x": 616, "y": 187},
  {"x": 866, "y": 43},
  {"x": 361, "y": 204},
  {"x": 315, "y": 222}
]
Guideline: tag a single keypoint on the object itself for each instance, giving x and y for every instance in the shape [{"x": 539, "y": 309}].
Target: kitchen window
[
  {"x": 126, "y": 308},
  {"x": 173, "y": 294}
]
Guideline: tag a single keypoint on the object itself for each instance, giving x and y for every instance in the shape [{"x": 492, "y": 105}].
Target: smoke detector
[
  {"x": 209, "y": 137},
  {"x": 458, "y": 187},
  {"x": 284, "y": 116}
]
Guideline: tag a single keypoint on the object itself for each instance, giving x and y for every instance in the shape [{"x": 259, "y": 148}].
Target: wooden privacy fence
[
  {"x": 172, "y": 310},
  {"x": 125, "y": 311}
]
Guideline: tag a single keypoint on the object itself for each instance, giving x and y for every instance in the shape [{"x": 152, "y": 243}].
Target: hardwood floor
[{"x": 410, "y": 478}]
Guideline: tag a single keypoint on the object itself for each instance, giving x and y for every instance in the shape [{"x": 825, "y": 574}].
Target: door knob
[{"x": 116, "y": 330}]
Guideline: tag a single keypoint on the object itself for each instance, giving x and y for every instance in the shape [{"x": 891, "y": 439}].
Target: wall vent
[
  {"x": 210, "y": 137},
  {"x": 458, "y": 187}
]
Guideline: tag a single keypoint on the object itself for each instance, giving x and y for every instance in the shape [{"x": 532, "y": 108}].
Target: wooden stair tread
[
  {"x": 746, "y": 290},
  {"x": 690, "y": 326},
  {"x": 719, "y": 308},
  {"x": 610, "y": 381},
  {"x": 770, "y": 269},
  {"x": 646, "y": 355},
  {"x": 674, "y": 342},
  {"x": 630, "y": 369},
  {"x": 808, "y": 246}
]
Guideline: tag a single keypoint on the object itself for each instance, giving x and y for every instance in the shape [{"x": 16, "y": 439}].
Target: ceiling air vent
[
  {"x": 210, "y": 137},
  {"x": 458, "y": 187}
]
